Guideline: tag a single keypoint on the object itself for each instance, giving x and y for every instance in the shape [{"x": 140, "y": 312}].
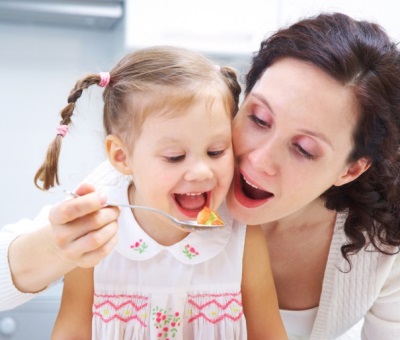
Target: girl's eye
[
  {"x": 259, "y": 122},
  {"x": 215, "y": 154},
  {"x": 303, "y": 152},
  {"x": 175, "y": 159}
]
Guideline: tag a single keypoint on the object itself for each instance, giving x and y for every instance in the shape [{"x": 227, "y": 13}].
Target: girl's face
[
  {"x": 292, "y": 137},
  {"x": 183, "y": 161}
]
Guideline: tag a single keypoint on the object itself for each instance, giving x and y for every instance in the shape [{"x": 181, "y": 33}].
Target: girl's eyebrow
[
  {"x": 168, "y": 140},
  {"x": 315, "y": 134}
]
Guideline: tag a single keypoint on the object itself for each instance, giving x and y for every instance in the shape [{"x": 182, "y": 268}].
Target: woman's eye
[
  {"x": 258, "y": 121},
  {"x": 175, "y": 159},
  {"x": 215, "y": 154},
  {"x": 304, "y": 153}
]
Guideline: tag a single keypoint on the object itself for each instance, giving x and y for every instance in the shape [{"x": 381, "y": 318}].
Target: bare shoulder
[
  {"x": 260, "y": 303},
  {"x": 74, "y": 318}
]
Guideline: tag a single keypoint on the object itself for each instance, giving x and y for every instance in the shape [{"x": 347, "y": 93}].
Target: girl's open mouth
[{"x": 190, "y": 204}]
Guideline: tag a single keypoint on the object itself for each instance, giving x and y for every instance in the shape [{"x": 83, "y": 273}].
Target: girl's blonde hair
[{"x": 156, "y": 80}]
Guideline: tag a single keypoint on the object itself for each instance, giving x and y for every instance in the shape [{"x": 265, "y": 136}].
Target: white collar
[{"x": 135, "y": 244}]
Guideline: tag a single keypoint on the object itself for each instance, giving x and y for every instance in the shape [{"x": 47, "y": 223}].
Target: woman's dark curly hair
[{"x": 359, "y": 55}]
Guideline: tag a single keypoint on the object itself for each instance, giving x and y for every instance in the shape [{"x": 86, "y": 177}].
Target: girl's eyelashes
[
  {"x": 216, "y": 153},
  {"x": 175, "y": 159},
  {"x": 180, "y": 158}
]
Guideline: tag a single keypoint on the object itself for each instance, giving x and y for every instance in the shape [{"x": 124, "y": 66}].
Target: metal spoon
[{"x": 186, "y": 225}]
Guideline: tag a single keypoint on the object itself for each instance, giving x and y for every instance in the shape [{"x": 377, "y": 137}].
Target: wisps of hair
[{"x": 233, "y": 84}]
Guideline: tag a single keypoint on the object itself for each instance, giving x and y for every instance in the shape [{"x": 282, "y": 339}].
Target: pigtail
[
  {"x": 231, "y": 80},
  {"x": 48, "y": 172}
]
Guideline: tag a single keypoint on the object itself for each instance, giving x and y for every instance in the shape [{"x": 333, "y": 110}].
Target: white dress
[
  {"x": 299, "y": 323},
  {"x": 190, "y": 290}
]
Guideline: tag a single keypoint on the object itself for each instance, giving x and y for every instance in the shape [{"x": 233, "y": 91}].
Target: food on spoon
[{"x": 209, "y": 217}]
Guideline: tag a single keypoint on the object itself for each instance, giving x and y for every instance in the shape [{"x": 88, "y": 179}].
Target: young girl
[{"x": 167, "y": 115}]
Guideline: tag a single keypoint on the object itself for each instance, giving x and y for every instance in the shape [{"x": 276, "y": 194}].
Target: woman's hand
[
  {"x": 77, "y": 233},
  {"x": 84, "y": 229}
]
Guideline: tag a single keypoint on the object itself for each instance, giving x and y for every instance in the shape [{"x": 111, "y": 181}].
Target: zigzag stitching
[
  {"x": 222, "y": 306},
  {"x": 213, "y": 295},
  {"x": 133, "y": 317},
  {"x": 220, "y": 318},
  {"x": 135, "y": 296},
  {"x": 117, "y": 307}
]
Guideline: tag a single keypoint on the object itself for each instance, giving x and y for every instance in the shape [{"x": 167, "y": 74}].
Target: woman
[{"x": 317, "y": 147}]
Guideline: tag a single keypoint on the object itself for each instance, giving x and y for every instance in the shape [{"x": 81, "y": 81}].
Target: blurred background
[{"x": 46, "y": 46}]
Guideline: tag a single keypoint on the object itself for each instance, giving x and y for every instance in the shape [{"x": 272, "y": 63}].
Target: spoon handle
[{"x": 183, "y": 225}]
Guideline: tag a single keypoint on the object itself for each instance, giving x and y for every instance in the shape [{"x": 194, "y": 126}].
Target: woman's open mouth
[
  {"x": 248, "y": 194},
  {"x": 253, "y": 192}
]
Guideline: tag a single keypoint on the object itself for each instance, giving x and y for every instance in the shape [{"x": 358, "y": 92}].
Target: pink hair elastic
[
  {"x": 218, "y": 68},
  {"x": 104, "y": 79},
  {"x": 62, "y": 130}
]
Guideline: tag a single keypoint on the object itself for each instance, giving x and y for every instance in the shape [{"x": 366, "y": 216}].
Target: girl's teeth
[
  {"x": 252, "y": 185},
  {"x": 194, "y": 193}
]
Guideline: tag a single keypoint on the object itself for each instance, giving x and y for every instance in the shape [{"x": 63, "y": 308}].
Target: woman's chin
[{"x": 243, "y": 208}]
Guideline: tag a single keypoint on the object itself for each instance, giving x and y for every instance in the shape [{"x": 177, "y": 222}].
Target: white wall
[
  {"x": 38, "y": 68},
  {"x": 236, "y": 27},
  {"x": 385, "y": 12}
]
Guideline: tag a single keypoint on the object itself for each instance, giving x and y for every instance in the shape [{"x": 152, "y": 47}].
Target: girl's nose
[
  {"x": 265, "y": 158},
  {"x": 199, "y": 171}
]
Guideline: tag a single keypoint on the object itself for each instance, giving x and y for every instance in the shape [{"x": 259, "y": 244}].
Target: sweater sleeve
[
  {"x": 383, "y": 319},
  {"x": 102, "y": 177},
  {"x": 10, "y": 296}
]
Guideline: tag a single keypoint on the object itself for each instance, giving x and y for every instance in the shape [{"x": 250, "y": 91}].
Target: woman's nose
[
  {"x": 199, "y": 171},
  {"x": 265, "y": 158}
]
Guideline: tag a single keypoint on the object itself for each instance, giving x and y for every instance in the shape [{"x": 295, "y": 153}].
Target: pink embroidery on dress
[
  {"x": 123, "y": 307},
  {"x": 139, "y": 246},
  {"x": 166, "y": 323},
  {"x": 215, "y": 307},
  {"x": 190, "y": 252}
]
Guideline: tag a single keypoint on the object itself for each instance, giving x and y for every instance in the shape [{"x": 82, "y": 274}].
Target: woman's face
[{"x": 292, "y": 137}]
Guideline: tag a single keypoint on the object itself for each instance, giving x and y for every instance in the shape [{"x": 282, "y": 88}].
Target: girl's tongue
[{"x": 191, "y": 202}]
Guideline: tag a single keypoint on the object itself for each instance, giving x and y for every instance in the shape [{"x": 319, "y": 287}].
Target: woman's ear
[
  {"x": 117, "y": 154},
  {"x": 353, "y": 171}
]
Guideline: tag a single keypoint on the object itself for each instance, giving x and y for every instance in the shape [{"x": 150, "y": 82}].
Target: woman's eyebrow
[
  {"x": 315, "y": 134},
  {"x": 262, "y": 99},
  {"x": 318, "y": 135}
]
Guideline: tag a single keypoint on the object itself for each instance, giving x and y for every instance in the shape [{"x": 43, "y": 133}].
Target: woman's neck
[
  {"x": 299, "y": 248},
  {"x": 314, "y": 214}
]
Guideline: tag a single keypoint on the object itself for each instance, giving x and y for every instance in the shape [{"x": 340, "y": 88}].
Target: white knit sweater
[{"x": 371, "y": 290}]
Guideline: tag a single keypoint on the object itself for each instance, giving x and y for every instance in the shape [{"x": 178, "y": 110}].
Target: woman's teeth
[
  {"x": 252, "y": 185},
  {"x": 252, "y": 191}
]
